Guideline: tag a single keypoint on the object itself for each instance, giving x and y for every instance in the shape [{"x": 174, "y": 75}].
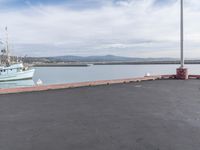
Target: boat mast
[
  {"x": 182, "y": 35},
  {"x": 7, "y": 48}
]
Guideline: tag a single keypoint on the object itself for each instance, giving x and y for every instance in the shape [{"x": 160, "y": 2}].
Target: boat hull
[{"x": 23, "y": 75}]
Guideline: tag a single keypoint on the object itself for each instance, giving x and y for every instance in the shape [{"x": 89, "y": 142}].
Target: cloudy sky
[{"x": 136, "y": 28}]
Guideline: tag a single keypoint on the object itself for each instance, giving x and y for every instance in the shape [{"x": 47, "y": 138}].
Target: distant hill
[
  {"x": 101, "y": 60},
  {"x": 106, "y": 58}
]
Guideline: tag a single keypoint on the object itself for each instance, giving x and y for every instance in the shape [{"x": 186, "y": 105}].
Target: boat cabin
[{"x": 11, "y": 69}]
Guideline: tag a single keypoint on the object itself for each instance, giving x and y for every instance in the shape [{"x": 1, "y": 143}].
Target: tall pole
[
  {"x": 7, "y": 48},
  {"x": 182, "y": 72},
  {"x": 182, "y": 37}
]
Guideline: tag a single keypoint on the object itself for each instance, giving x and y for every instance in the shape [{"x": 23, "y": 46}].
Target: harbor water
[{"x": 59, "y": 75}]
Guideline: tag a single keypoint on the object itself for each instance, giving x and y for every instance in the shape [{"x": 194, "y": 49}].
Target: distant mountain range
[{"x": 106, "y": 58}]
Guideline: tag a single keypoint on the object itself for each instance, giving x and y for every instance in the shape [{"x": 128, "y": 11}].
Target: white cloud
[{"x": 129, "y": 28}]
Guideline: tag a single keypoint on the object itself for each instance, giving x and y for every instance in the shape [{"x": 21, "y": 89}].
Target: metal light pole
[
  {"x": 182, "y": 36},
  {"x": 182, "y": 73}
]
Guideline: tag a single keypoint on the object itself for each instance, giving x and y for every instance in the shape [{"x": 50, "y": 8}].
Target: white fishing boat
[{"x": 10, "y": 71}]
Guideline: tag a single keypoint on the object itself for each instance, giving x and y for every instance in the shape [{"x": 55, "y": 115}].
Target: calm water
[{"x": 56, "y": 75}]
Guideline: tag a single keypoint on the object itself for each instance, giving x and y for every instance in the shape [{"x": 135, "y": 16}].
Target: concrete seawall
[
  {"x": 86, "y": 84},
  {"x": 76, "y": 85}
]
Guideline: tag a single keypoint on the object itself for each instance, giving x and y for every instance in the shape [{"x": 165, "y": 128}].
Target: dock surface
[{"x": 148, "y": 115}]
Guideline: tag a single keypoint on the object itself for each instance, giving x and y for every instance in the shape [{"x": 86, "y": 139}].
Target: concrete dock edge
[
  {"x": 86, "y": 84},
  {"x": 75, "y": 85}
]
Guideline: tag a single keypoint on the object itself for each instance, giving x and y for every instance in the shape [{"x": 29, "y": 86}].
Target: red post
[{"x": 182, "y": 73}]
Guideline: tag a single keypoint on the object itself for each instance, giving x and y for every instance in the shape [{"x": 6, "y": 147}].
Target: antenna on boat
[{"x": 182, "y": 73}]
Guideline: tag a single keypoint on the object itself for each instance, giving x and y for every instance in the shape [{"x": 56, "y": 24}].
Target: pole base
[{"x": 182, "y": 73}]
